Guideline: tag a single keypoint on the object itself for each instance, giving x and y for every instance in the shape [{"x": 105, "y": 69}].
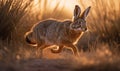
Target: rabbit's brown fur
[{"x": 61, "y": 33}]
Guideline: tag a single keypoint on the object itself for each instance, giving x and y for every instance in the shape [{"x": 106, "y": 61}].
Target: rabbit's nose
[{"x": 85, "y": 29}]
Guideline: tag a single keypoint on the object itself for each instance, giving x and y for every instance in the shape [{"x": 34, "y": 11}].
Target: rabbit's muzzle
[{"x": 84, "y": 29}]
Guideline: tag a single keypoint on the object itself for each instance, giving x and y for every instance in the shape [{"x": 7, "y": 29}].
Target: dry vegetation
[{"x": 101, "y": 44}]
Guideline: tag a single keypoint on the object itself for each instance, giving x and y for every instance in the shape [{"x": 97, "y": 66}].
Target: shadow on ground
[{"x": 62, "y": 64}]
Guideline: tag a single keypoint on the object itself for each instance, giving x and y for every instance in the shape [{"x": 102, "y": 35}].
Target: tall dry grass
[
  {"x": 103, "y": 22},
  {"x": 11, "y": 13},
  {"x": 105, "y": 19}
]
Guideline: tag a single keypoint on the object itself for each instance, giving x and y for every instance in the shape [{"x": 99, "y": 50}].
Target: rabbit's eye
[{"x": 73, "y": 26}]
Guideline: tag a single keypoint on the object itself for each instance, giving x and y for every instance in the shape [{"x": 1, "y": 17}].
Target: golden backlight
[{"x": 68, "y": 5}]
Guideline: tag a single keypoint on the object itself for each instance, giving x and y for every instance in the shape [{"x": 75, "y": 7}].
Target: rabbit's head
[
  {"x": 29, "y": 37},
  {"x": 79, "y": 21}
]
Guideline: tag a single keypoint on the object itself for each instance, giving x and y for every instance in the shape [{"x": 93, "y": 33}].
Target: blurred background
[{"x": 101, "y": 43}]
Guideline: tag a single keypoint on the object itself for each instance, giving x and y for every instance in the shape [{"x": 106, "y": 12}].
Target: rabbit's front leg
[
  {"x": 71, "y": 46},
  {"x": 74, "y": 49}
]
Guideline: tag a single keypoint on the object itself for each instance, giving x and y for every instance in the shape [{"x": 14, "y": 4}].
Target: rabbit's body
[
  {"x": 53, "y": 32},
  {"x": 61, "y": 33}
]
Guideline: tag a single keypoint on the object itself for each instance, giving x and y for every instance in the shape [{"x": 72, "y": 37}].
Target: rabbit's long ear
[
  {"x": 77, "y": 12},
  {"x": 85, "y": 13}
]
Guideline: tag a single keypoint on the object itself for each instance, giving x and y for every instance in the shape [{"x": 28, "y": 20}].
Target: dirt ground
[{"x": 65, "y": 62}]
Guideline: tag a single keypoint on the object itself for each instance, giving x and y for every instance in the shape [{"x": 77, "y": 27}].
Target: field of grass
[{"x": 99, "y": 46}]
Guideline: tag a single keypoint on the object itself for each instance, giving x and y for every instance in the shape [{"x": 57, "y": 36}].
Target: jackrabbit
[{"x": 60, "y": 33}]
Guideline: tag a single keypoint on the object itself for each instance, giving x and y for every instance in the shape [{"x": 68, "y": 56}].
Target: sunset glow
[
  {"x": 67, "y": 4},
  {"x": 59, "y": 35}
]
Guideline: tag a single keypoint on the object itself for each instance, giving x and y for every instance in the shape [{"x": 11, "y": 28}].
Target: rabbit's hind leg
[
  {"x": 57, "y": 50},
  {"x": 40, "y": 49}
]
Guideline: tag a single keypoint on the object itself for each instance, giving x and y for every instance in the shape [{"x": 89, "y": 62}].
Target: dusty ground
[{"x": 88, "y": 61}]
